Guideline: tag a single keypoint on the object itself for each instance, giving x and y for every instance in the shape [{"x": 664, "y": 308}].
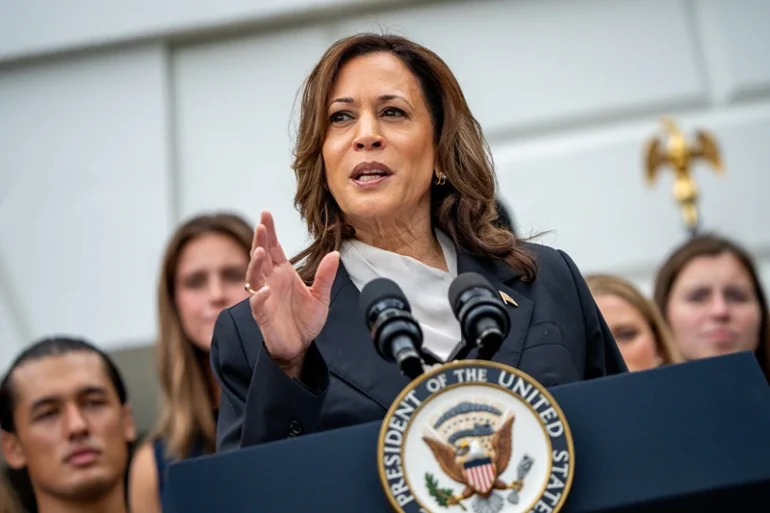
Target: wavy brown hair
[
  {"x": 709, "y": 245},
  {"x": 607, "y": 284},
  {"x": 187, "y": 405},
  {"x": 464, "y": 207}
]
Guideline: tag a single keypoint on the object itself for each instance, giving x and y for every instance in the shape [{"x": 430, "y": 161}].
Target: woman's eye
[
  {"x": 626, "y": 335},
  {"x": 698, "y": 295},
  {"x": 338, "y": 117},
  {"x": 392, "y": 111}
]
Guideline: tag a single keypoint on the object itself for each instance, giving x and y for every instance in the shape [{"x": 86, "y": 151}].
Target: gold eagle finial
[{"x": 675, "y": 152}]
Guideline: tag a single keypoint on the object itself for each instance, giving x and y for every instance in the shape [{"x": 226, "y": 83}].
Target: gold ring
[{"x": 249, "y": 289}]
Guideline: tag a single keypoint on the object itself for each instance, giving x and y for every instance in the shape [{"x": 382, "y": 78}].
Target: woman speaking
[{"x": 395, "y": 180}]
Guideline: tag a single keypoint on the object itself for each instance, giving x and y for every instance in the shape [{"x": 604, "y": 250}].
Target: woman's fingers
[
  {"x": 254, "y": 242},
  {"x": 259, "y": 298},
  {"x": 255, "y": 277},
  {"x": 267, "y": 265},
  {"x": 274, "y": 247},
  {"x": 269, "y": 223},
  {"x": 264, "y": 253},
  {"x": 262, "y": 238}
]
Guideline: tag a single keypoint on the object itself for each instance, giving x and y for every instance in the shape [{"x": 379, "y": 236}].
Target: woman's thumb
[{"x": 324, "y": 276}]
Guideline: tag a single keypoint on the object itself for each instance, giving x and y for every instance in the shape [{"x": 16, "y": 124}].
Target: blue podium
[{"x": 689, "y": 437}]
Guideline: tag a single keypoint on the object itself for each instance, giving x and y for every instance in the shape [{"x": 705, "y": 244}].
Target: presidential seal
[{"x": 475, "y": 436}]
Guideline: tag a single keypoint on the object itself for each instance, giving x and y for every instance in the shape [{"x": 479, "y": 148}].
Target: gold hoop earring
[{"x": 440, "y": 179}]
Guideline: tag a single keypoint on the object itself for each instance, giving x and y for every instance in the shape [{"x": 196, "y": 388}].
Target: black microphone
[
  {"x": 484, "y": 321},
  {"x": 396, "y": 334}
]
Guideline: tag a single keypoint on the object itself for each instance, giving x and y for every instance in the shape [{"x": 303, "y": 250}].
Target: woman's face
[
  {"x": 631, "y": 331},
  {"x": 713, "y": 308},
  {"x": 379, "y": 154},
  {"x": 210, "y": 276}
]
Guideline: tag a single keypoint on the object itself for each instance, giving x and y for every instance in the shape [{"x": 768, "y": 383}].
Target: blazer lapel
[
  {"x": 349, "y": 352},
  {"x": 348, "y": 349},
  {"x": 503, "y": 279}
]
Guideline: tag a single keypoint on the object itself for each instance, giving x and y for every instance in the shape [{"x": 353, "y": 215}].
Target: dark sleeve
[
  {"x": 602, "y": 354},
  {"x": 262, "y": 404}
]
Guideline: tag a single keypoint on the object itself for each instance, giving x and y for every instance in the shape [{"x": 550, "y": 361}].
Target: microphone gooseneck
[
  {"x": 396, "y": 334},
  {"x": 484, "y": 321}
]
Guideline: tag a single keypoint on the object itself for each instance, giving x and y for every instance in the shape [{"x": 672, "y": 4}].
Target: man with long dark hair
[{"x": 66, "y": 422}]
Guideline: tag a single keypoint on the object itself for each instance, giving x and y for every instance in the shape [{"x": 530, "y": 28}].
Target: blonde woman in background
[
  {"x": 203, "y": 271},
  {"x": 636, "y": 323}
]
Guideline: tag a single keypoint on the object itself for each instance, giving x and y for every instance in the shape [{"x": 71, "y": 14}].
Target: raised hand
[{"x": 289, "y": 313}]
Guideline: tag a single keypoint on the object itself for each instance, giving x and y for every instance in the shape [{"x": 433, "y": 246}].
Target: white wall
[
  {"x": 233, "y": 104},
  {"x": 85, "y": 197},
  {"x": 48, "y": 26},
  {"x": 115, "y": 130}
]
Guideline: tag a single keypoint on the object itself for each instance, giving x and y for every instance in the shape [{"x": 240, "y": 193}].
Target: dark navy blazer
[{"x": 557, "y": 336}]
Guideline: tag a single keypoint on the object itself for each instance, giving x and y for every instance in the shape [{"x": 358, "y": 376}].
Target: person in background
[
  {"x": 642, "y": 335},
  {"x": 66, "y": 421},
  {"x": 203, "y": 271},
  {"x": 8, "y": 501},
  {"x": 709, "y": 292}
]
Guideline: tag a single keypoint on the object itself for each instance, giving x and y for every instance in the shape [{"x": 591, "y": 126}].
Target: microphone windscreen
[
  {"x": 379, "y": 289},
  {"x": 463, "y": 282}
]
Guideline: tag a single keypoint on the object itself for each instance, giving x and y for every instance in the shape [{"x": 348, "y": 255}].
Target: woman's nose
[
  {"x": 719, "y": 307},
  {"x": 216, "y": 292},
  {"x": 368, "y": 136}
]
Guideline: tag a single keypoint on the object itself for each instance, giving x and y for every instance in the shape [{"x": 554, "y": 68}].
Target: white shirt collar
[{"x": 425, "y": 287}]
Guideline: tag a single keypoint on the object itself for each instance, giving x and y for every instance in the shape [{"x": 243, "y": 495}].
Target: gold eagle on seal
[{"x": 477, "y": 465}]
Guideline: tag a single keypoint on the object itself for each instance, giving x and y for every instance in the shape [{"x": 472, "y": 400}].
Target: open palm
[{"x": 289, "y": 313}]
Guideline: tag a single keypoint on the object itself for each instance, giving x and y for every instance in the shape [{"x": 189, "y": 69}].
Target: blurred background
[{"x": 120, "y": 119}]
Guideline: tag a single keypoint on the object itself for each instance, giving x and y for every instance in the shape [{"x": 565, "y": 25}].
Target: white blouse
[{"x": 425, "y": 287}]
